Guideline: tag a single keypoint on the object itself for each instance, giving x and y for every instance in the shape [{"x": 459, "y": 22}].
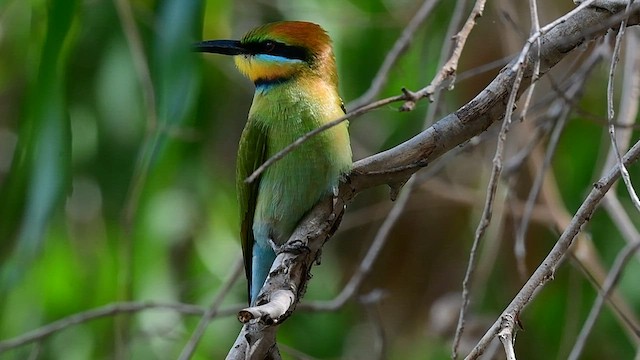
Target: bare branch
[
  {"x": 399, "y": 47},
  {"x": 610, "y": 113},
  {"x": 520, "y": 248},
  {"x": 506, "y": 336},
  {"x": 447, "y": 45},
  {"x": 612, "y": 279},
  {"x": 448, "y": 71},
  {"x": 485, "y": 218},
  {"x": 105, "y": 311},
  {"x": 256, "y": 341},
  {"x": 626, "y": 118},
  {"x": 535, "y": 28}
]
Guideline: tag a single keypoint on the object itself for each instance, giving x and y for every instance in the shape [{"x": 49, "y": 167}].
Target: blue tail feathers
[{"x": 263, "y": 257}]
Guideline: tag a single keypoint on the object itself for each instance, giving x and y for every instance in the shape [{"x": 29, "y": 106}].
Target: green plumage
[
  {"x": 272, "y": 207},
  {"x": 292, "y": 65}
]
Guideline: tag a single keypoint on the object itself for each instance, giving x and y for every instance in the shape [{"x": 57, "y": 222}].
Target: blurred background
[{"x": 117, "y": 155}]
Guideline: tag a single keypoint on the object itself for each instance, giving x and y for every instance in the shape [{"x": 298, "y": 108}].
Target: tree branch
[{"x": 104, "y": 311}]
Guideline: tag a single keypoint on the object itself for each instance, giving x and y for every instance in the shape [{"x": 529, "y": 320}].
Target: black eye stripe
[{"x": 271, "y": 47}]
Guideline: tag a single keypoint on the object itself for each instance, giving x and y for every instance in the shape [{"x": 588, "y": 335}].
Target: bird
[{"x": 293, "y": 68}]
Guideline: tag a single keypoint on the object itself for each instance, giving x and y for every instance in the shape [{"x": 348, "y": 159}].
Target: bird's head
[{"x": 280, "y": 51}]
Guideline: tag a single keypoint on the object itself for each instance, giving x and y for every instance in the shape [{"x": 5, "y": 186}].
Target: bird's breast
[{"x": 292, "y": 185}]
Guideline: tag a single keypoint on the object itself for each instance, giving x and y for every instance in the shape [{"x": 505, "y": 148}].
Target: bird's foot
[
  {"x": 295, "y": 247},
  {"x": 614, "y": 6}
]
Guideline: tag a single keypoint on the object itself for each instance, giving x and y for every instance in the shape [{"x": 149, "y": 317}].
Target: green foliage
[{"x": 40, "y": 173}]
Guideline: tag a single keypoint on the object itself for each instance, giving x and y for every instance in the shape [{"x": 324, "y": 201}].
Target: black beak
[{"x": 225, "y": 47}]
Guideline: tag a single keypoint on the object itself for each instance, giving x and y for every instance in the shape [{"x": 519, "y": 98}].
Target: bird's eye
[{"x": 269, "y": 46}]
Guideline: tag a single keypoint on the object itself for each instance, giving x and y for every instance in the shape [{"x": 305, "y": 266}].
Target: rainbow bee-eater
[{"x": 293, "y": 68}]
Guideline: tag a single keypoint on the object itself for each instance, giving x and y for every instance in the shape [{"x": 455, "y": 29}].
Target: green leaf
[{"x": 40, "y": 172}]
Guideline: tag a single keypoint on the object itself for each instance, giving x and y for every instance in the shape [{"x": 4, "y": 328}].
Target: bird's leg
[
  {"x": 337, "y": 211},
  {"x": 274, "y": 246},
  {"x": 613, "y": 6},
  {"x": 334, "y": 204}
]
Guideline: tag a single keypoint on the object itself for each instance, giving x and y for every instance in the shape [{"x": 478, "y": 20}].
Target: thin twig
[
  {"x": 627, "y": 114},
  {"x": 562, "y": 100},
  {"x": 211, "y": 312},
  {"x": 535, "y": 27},
  {"x": 535, "y": 36},
  {"x": 565, "y": 101},
  {"x": 448, "y": 71},
  {"x": 447, "y": 45},
  {"x": 399, "y": 48},
  {"x": 520, "y": 249},
  {"x": 610, "y": 112},
  {"x": 485, "y": 218},
  {"x": 104, "y": 311},
  {"x": 451, "y": 66},
  {"x": 612, "y": 279}
]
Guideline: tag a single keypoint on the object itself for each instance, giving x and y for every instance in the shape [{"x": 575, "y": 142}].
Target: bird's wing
[{"x": 251, "y": 154}]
